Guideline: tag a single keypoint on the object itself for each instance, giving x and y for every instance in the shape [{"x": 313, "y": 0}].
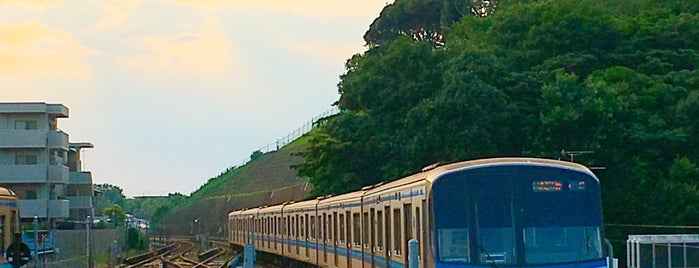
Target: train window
[
  {"x": 280, "y": 222},
  {"x": 397, "y": 237},
  {"x": 365, "y": 229},
  {"x": 356, "y": 228},
  {"x": 347, "y": 227},
  {"x": 379, "y": 230},
  {"x": 285, "y": 230},
  {"x": 305, "y": 227},
  {"x": 330, "y": 226},
  {"x": 334, "y": 228},
  {"x": 319, "y": 223},
  {"x": 342, "y": 228},
  {"x": 313, "y": 227},
  {"x": 303, "y": 233},
  {"x": 325, "y": 228}
]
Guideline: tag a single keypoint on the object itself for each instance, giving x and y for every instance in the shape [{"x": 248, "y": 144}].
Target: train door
[
  {"x": 424, "y": 227},
  {"x": 348, "y": 237},
  {"x": 372, "y": 235},
  {"x": 407, "y": 230},
  {"x": 319, "y": 236},
  {"x": 289, "y": 234},
  {"x": 3, "y": 235},
  {"x": 335, "y": 238},
  {"x": 298, "y": 235},
  {"x": 306, "y": 237},
  {"x": 325, "y": 238},
  {"x": 387, "y": 234}
]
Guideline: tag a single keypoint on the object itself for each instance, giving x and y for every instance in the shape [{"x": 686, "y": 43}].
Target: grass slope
[{"x": 266, "y": 181}]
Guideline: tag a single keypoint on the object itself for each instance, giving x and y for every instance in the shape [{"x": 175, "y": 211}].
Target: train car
[
  {"x": 504, "y": 212},
  {"x": 9, "y": 220},
  {"x": 341, "y": 244},
  {"x": 300, "y": 234}
]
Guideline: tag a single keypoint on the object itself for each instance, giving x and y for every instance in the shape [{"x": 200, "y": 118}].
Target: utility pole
[
  {"x": 573, "y": 154},
  {"x": 89, "y": 246}
]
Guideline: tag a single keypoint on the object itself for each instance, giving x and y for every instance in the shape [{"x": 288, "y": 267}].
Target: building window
[
  {"x": 25, "y": 124},
  {"x": 26, "y": 159},
  {"x": 31, "y": 194}
]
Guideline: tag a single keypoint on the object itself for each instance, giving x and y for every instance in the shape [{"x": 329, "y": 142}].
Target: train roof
[
  {"x": 301, "y": 205},
  {"x": 433, "y": 172},
  {"x": 428, "y": 174},
  {"x": 7, "y": 193}
]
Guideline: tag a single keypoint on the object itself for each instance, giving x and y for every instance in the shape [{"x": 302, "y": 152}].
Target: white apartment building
[{"x": 39, "y": 164}]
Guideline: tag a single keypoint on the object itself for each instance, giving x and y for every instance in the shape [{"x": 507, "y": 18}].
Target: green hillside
[{"x": 266, "y": 180}]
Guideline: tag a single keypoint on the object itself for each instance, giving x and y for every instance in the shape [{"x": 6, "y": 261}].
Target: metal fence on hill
[{"x": 281, "y": 142}]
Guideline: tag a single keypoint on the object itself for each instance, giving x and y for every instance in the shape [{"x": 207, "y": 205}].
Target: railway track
[{"x": 184, "y": 253}]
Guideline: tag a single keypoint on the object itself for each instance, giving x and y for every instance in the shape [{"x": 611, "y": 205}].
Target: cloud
[
  {"x": 32, "y": 49},
  {"x": 303, "y": 7},
  {"x": 114, "y": 15},
  {"x": 31, "y": 2},
  {"x": 201, "y": 52}
]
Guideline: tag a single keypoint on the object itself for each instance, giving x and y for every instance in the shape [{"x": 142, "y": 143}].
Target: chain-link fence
[{"x": 281, "y": 142}]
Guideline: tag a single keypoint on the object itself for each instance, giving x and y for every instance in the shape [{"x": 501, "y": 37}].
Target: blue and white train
[{"x": 504, "y": 212}]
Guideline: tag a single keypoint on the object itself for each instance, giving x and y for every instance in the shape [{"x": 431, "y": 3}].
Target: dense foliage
[{"x": 532, "y": 78}]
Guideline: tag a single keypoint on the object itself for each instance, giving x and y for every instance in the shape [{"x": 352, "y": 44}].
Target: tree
[
  {"x": 116, "y": 214},
  {"x": 531, "y": 78},
  {"x": 107, "y": 196}
]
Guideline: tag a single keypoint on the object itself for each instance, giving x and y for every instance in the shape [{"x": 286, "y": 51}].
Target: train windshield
[{"x": 517, "y": 215}]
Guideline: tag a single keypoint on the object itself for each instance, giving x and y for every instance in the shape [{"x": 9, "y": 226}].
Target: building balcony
[
  {"x": 33, "y": 174},
  {"x": 37, "y": 207},
  {"x": 58, "y": 140},
  {"x": 33, "y": 138},
  {"x": 20, "y": 138},
  {"x": 80, "y": 202},
  {"x": 59, "y": 174},
  {"x": 80, "y": 178}
]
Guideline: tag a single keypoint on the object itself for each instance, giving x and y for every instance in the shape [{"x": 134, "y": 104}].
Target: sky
[{"x": 171, "y": 93}]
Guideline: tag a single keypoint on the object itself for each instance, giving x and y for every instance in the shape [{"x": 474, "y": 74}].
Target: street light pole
[{"x": 89, "y": 249}]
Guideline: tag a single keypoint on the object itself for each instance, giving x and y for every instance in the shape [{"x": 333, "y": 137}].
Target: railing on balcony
[
  {"x": 22, "y": 174},
  {"x": 80, "y": 178},
  {"x": 33, "y": 138},
  {"x": 80, "y": 202},
  {"x": 37, "y": 207},
  {"x": 58, "y": 140},
  {"x": 59, "y": 174},
  {"x": 33, "y": 174},
  {"x": 20, "y": 138}
]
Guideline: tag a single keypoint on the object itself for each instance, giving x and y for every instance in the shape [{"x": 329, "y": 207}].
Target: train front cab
[{"x": 517, "y": 215}]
